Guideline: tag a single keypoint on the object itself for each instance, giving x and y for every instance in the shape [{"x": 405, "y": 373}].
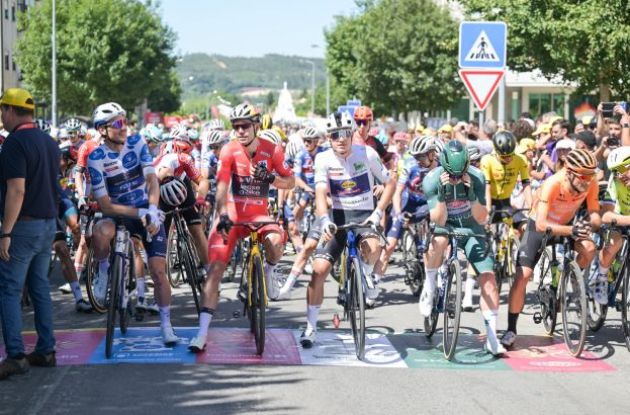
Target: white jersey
[{"x": 350, "y": 181}]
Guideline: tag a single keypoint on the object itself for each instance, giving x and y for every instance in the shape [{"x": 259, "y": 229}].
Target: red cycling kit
[{"x": 248, "y": 199}]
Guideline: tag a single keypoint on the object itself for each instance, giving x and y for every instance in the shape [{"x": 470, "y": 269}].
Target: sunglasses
[
  {"x": 308, "y": 141},
  {"x": 421, "y": 157},
  {"x": 584, "y": 177},
  {"x": 215, "y": 147},
  {"x": 336, "y": 135},
  {"x": 362, "y": 122},
  {"x": 118, "y": 124},
  {"x": 244, "y": 126}
]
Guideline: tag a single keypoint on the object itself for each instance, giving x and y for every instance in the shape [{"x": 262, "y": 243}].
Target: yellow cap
[
  {"x": 446, "y": 128},
  {"x": 18, "y": 97},
  {"x": 419, "y": 128},
  {"x": 525, "y": 145},
  {"x": 542, "y": 129},
  {"x": 587, "y": 119},
  {"x": 554, "y": 119}
]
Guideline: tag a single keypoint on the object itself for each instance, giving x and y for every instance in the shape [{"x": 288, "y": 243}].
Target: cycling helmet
[
  {"x": 215, "y": 137},
  {"x": 43, "y": 125},
  {"x": 474, "y": 154},
  {"x": 504, "y": 143},
  {"x": 215, "y": 124},
  {"x": 581, "y": 162},
  {"x": 281, "y": 133},
  {"x": 363, "y": 113},
  {"x": 178, "y": 131},
  {"x": 293, "y": 149},
  {"x": 438, "y": 146},
  {"x": 270, "y": 135},
  {"x": 401, "y": 136},
  {"x": 266, "y": 122},
  {"x": 62, "y": 134},
  {"x": 193, "y": 134},
  {"x": 68, "y": 152},
  {"x": 311, "y": 133},
  {"x": 244, "y": 112},
  {"x": 421, "y": 145},
  {"x": 338, "y": 121},
  {"x": 618, "y": 158},
  {"x": 73, "y": 125},
  {"x": 106, "y": 112},
  {"x": 173, "y": 191},
  {"x": 182, "y": 146},
  {"x": 454, "y": 158},
  {"x": 152, "y": 133}
]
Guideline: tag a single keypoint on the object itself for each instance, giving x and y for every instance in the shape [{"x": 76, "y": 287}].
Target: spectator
[
  {"x": 29, "y": 168},
  {"x": 523, "y": 128}
]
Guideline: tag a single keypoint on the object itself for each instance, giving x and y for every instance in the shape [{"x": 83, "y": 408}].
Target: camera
[{"x": 607, "y": 109}]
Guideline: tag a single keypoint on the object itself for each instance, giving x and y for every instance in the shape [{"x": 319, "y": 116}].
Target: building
[{"x": 10, "y": 73}]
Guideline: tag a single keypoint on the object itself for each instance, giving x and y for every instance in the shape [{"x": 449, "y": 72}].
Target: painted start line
[{"x": 144, "y": 345}]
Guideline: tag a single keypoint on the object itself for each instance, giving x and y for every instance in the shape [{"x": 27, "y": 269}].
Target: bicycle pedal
[{"x": 537, "y": 317}]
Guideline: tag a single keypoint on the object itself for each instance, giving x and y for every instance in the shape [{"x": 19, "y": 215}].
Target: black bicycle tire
[
  {"x": 357, "y": 305},
  {"x": 114, "y": 293},
  {"x": 574, "y": 350},
  {"x": 625, "y": 304},
  {"x": 174, "y": 276},
  {"x": 548, "y": 325},
  {"x": 258, "y": 299},
  {"x": 190, "y": 268},
  {"x": 130, "y": 271},
  {"x": 91, "y": 268},
  {"x": 449, "y": 341}
]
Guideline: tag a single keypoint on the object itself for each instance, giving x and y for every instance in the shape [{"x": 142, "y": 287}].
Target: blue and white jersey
[
  {"x": 410, "y": 174},
  {"x": 121, "y": 176},
  {"x": 303, "y": 166}
]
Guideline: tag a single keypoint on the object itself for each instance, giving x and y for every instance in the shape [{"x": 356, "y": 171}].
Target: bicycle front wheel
[
  {"x": 452, "y": 309},
  {"x": 625, "y": 305},
  {"x": 258, "y": 303},
  {"x": 186, "y": 255},
  {"x": 574, "y": 311},
  {"x": 356, "y": 305},
  {"x": 91, "y": 270},
  {"x": 113, "y": 303},
  {"x": 173, "y": 262}
]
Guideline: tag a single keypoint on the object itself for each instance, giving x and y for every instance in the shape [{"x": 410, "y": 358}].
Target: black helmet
[{"x": 504, "y": 143}]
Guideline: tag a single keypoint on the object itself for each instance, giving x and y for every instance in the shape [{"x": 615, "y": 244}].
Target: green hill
[{"x": 201, "y": 74}]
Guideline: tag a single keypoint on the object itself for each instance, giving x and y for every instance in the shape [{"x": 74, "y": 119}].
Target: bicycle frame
[{"x": 254, "y": 250}]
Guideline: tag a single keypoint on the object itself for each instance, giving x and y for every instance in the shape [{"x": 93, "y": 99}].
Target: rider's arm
[
  {"x": 485, "y": 167},
  {"x": 547, "y": 196},
  {"x": 527, "y": 193},
  {"x": 478, "y": 207},
  {"x": 437, "y": 209},
  {"x": 153, "y": 188},
  {"x": 78, "y": 182},
  {"x": 592, "y": 204},
  {"x": 397, "y": 199},
  {"x": 112, "y": 209},
  {"x": 524, "y": 174},
  {"x": 284, "y": 177}
]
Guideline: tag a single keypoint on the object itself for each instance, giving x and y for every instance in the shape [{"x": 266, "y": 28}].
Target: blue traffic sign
[{"x": 482, "y": 44}]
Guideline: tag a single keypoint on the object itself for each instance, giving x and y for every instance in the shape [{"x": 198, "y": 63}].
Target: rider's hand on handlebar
[
  {"x": 224, "y": 225},
  {"x": 328, "y": 228},
  {"x": 374, "y": 218},
  {"x": 582, "y": 230}
]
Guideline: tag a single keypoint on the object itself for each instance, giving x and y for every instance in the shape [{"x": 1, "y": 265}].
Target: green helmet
[{"x": 454, "y": 158}]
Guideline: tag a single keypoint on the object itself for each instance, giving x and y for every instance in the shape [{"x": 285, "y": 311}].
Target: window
[
  {"x": 13, "y": 13},
  {"x": 6, "y": 62},
  {"x": 14, "y": 65},
  {"x": 542, "y": 103}
]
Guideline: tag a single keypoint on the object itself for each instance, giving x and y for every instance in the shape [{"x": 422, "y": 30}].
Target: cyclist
[
  {"x": 348, "y": 173},
  {"x": 409, "y": 203},
  {"x": 212, "y": 141},
  {"x": 125, "y": 185},
  {"x": 247, "y": 165},
  {"x": 456, "y": 196},
  {"x": 556, "y": 203},
  {"x": 616, "y": 207}
]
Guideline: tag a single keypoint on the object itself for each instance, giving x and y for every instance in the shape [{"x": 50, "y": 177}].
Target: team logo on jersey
[
  {"x": 360, "y": 166},
  {"x": 95, "y": 175},
  {"x": 348, "y": 184},
  {"x": 112, "y": 156},
  {"x": 262, "y": 153},
  {"x": 130, "y": 160},
  {"x": 97, "y": 154}
]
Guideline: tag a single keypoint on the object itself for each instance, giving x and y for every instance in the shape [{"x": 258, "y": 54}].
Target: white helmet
[
  {"x": 215, "y": 124},
  {"x": 106, "y": 112},
  {"x": 215, "y": 137},
  {"x": 439, "y": 145},
  {"x": 73, "y": 124},
  {"x": 311, "y": 133},
  {"x": 244, "y": 112},
  {"x": 173, "y": 192},
  {"x": 421, "y": 145},
  {"x": 619, "y": 157},
  {"x": 180, "y": 132},
  {"x": 338, "y": 121},
  {"x": 293, "y": 149},
  {"x": 270, "y": 135}
]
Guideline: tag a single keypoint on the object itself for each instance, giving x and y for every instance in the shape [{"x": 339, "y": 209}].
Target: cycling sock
[
  {"x": 165, "y": 316},
  {"x": 269, "y": 268},
  {"x": 431, "y": 279},
  {"x": 312, "y": 312},
  {"x": 603, "y": 271},
  {"x": 291, "y": 280},
  {"x": 140, "y": 288},
  {"x": 490, "y": 321},
  {"x": 79, "y": 267},
  {"x": 470, "y": 286},
  {"x": 76, "y": 290},
  {"x": 205, "y": 317},
  {"x": 512, "y": 319}
]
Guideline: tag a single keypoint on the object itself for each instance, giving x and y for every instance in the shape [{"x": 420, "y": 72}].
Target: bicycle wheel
[
  {"x": 127, "y": 283},
  {"x": 430, "y": 323},
  {"x": 512, "y": 257},
  {"x": 258, "y": 303},
  {"x": 573, "y": 299},
  {"x": 547, "y": 294},
  {"x": 190, "y": 268},
  {"x": 113, "y": 303},
  {"x": 452, "y": 309},
  {"x": 91, "y": 273},
  {"x": 173, "y": 260},
  {"x": 356, "y": 301},
  {"x": 625, "y": 305}
]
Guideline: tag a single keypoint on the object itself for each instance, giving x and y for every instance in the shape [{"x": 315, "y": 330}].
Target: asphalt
[{"x": 468, "y": 387}]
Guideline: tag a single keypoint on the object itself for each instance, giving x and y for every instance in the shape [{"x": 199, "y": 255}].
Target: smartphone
[
  {"x": 607, "y": 109},
  {"x": 624, "y": 105}
]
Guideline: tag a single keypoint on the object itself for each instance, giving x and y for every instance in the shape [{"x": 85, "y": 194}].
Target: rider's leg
[
  {"x": 200, "y": 241},
  {"x": 274, "y": 247},
  {"x": 103, "y": 233},
  {"x": 434, "y": 258},
  {"x": 315, "y": 292}
]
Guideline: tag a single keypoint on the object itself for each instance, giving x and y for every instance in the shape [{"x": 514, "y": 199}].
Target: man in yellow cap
[
  {"x": 29, "y": 168},
  {"x": 446, "y": 133}
]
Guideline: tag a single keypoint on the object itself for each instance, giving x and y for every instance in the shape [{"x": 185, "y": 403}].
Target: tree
[
  {"x": 580, "y": 41},
  {"x": 397, "y": 55},
  {"x": 107, "y": 50}
]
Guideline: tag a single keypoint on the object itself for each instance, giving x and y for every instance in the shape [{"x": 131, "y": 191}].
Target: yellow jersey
[{"x": 503, "y": 177}]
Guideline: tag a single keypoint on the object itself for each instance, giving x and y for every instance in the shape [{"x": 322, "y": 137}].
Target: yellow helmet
[
  {"x": 266, "y": 122},
  {"x": 18, "y": 97},
  {"x": 281, "y": 133}
]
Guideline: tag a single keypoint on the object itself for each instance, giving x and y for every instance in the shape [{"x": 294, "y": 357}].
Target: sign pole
[{"x": 501, "y": 113}]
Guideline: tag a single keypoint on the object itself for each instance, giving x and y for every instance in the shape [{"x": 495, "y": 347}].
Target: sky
[{"x": 252, "y": 28}]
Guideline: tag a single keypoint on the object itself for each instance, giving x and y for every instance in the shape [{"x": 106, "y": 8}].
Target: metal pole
[
  {"x": 54, "y": 66},
  {"x": 501, "y": 112},
  {"x": 327, "y": 92},
  {"x": 481, "y": 121}
]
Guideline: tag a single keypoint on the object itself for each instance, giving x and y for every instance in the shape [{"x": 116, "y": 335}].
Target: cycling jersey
[
  {"x": 84, "y": 152},
  {"x": 196, "y": 155},
  {"x": 618, "y": 194},
  {"x": 502, "y": 178},
  {"x": 249, "y": 196},
  {"x": 181, "y": 163},
  {"x": 303, "y": 166},
  {"x": 410, "y": 174},
  {"x": 562, "y": 205},
  {"x": 121, "y": 175},
  {"x": 350, "y": 182}
]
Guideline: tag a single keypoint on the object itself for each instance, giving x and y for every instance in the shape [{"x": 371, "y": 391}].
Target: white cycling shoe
[
  {"x": 197, "y": 345},
  {"x": 169, "y": 337}
]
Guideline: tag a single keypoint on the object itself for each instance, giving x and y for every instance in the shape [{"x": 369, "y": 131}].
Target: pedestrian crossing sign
[{"x": 482, "y": 44}]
